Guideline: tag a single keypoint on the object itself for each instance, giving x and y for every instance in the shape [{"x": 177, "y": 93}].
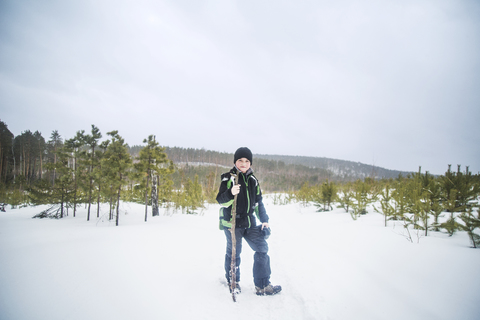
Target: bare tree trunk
[
  {"x": 41, "y": 160},
  {"x": 89, "y": 199},
  {"x": 55, "y": 163},
  {"x": 146, "y": 198},
  {"x": 118, "y": 199},
  {"x": 14, "y": 162},
  {"x": 91, "y": 184},
  {"x": 111, "y": 204},
  {"x": 154, "y": 196},
  {"x": 98, "y": 200},
  {"x": 34, "y": 175},
  {"x": 75, "y": 185},
  {"x": 61, "y": 205},
  {"x": 24, "y": 171}
]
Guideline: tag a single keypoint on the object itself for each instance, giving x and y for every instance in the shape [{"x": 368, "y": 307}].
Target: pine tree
[
  {"x": 193, "y": 195},
  {"x": 364, "y": 193},
  {"x": 116, "y": 165},
  {"x": 460, "y": 193},
  {"x": 399, "y": 198},
  {"x": 60, "y": 193},
  {"x": 153, "y": 162},
  {"x": 386, "y": 198},
  {"x": 323, "y": 195},
  {"x": 450, "y": 205},
  {"x": 54, "y": 144},
  {"x": 316, "y": 197},
  {"x": 329, "y": 194},
  {"x": 99, "y": 178},
  {"x": 464, "y": 190},
  {"x": 26, "y": 154},
  {"x": 6, "y": 143},
  {"x": 40, "y": 148},
  {"x": 210, "y": 189},
  {"x": 434, "y": 194},
  {"x": 304, "y": 195},
  {"x": 470, "y": 223},
  {"x": 467, "y": 188},
  {"x": 418, "y": 200},
  {"x": 345, "y": 198},
  {"x": 91, "y": 140},
  {"x": 73, "y": 146}
]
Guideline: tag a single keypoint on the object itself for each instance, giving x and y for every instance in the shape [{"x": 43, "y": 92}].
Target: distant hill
[
  {"x": 343, "y": 169},
  {"x": 276, "y": 172}
]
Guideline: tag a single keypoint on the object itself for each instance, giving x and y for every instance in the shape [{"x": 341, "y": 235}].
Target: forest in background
[
  {"x": 86, "y": 170},
  {"x": 25, "y": 157},
  {"x": 277, "y": 173}
]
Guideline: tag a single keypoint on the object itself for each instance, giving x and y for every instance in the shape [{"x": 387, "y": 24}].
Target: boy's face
[{"x": 243, "y": 164}]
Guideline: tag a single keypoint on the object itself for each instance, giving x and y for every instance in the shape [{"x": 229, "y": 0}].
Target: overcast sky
[{"x": 395, "y": 84}]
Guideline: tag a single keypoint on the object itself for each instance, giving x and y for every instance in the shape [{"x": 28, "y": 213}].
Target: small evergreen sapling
[
  {"x": 324, "y": 195},
  {"x": 345, "y": 196},
  {"x": 385, "y": 202},
  {"x": 399, "y": 198},
  {"x": 194, "y": 196},
  {"x": 450, "y": 205},
  {"x": 470, "y": 223},
  {"x": 364, "y": 193},
  {"x": 436, "y": 208},
  {"x": 304, "y": 195},
  {"x": 329, "y": 194}
]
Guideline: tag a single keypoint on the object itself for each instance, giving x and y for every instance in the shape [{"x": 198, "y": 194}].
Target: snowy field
[{"x": 171, "y": 267}]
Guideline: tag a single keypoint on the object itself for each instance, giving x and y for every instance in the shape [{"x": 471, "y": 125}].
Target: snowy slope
[{"x": 171, "y": 267}]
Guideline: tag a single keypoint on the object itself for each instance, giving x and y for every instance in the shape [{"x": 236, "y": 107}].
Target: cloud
[{"x": 395, "y": 83}]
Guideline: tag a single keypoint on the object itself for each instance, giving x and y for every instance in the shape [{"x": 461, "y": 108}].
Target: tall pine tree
[
  {"x": 73, "y": 146},
  {"x": 116, "y": 165},
  {"x": 91, "y": 140},
  {"x": 153, "y": 162}
]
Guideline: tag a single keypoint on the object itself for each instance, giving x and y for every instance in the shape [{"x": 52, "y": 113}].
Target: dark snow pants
[{"x": 261, "y": 261}]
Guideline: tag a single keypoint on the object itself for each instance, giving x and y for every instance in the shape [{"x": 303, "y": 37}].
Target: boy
[{"x": 249, "y": 205}]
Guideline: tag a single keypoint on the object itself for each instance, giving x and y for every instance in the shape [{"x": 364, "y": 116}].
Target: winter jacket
[{"x": 249, "y": 200}]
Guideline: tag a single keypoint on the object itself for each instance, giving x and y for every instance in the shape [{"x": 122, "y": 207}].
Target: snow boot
[{"x": 268, "y": 290}]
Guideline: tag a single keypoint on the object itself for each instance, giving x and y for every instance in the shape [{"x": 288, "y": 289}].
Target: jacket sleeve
[
  {"x": 261, "y": 213},
  {"x": 225, "y": 196}
]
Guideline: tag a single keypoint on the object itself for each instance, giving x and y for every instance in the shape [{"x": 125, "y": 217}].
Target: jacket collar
[{"x": 236, "y": 170}]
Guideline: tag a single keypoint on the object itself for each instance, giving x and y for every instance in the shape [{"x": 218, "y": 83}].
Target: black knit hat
[{"x": 243, "y": 153}]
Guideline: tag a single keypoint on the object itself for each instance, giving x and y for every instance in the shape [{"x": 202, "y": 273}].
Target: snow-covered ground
[{"x": 171, "y": 267}]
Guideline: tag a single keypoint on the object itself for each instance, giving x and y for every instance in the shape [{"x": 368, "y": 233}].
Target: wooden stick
[{"x": 233, "y": 266}]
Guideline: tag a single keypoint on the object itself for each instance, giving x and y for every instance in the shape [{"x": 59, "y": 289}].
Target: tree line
[
  {"x": 275, "y": 175},
  {"x": 84, "y": 170},
  {"x": 420, "y": 202},
  {"x": 66, "y": 173}
]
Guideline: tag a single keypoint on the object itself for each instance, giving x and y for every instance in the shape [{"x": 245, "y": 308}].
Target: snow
[{"x": 171, "y": 267}]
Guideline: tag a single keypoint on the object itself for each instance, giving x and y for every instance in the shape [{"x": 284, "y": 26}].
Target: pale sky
[{"x": 395, "y": 84}]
